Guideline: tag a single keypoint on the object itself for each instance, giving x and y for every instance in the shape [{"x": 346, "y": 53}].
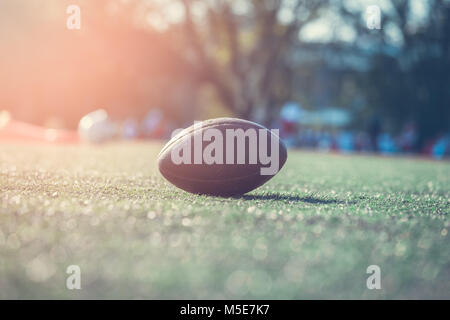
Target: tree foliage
[
  {"x": 409, "y": 80},
  {"x": 242, "y": 55}
]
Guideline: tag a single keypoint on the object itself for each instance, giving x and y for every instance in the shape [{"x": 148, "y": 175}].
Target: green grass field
[{"x": 310, "y": 232}]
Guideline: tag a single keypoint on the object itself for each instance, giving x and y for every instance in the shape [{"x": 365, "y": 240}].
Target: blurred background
[{"x": 331, "y": 75}]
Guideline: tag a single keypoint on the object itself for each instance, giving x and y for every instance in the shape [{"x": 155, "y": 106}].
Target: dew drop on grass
[
  {"x": 151, "y": 215},
  {"x": 186, "y": 222}
]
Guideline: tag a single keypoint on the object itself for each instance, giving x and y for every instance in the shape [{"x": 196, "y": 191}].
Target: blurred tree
[
  {"x": 240, "y": 46},
  {"x": 409, "y": 79}
]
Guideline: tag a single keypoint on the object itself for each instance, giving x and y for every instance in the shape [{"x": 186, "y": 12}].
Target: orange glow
[{"x": 48, "y": 70}]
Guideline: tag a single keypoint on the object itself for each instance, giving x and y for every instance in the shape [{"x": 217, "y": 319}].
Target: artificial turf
[{"x": 310, "y": 232}]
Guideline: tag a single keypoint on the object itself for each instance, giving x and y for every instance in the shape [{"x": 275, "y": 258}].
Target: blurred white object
[
  {"x": 96, "y": 127},
  {"x": 291, "y": 112},
  {"x": 333, "y": 117},
  {"x": 5, "y": 118}
]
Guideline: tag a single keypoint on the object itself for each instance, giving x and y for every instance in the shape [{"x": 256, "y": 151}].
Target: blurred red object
[{"x": 13, "y": 130}]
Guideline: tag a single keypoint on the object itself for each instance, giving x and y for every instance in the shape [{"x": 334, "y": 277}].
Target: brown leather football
[{"x": 222, "y": 157}]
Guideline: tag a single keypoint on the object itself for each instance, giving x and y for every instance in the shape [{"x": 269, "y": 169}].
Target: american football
[{"x": 222, "y": 157}]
